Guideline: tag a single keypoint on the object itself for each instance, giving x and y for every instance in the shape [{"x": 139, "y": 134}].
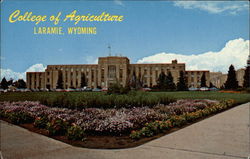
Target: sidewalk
[{"x": 223, "y": 136}]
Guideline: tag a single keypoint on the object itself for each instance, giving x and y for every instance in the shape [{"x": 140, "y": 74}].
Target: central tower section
[{"x": 112, "y": 69}]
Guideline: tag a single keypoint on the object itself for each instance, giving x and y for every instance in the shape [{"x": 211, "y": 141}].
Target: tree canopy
[
  {"x": 203, "y": 80},
  {"x": 182, "y": 83},
  {"x": 246, "y": 82},
  {"x": 231, "y": 82}
]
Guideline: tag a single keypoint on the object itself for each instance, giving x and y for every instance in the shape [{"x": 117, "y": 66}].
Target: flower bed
[
  {"x": 137, "y": 122},
  {"x": 91, "y": 120},
  {"x": 187, "y": 113}
]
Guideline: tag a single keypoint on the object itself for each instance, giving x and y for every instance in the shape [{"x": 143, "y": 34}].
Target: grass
[
  {"x": 100, "y": 99},
  {"x": 238, "y": 97}
]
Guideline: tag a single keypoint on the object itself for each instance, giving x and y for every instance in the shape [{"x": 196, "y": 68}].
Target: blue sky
[{"x": 148, "y": 28}]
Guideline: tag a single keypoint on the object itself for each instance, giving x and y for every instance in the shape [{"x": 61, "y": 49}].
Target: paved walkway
[{"x": 223, "y": 136}]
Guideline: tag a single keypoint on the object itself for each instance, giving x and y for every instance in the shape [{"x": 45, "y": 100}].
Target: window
[
  {"x": 121, "y": 73},
  {"x": 102, "y": 74},
  {"x": 92, "y": 75},
  {"x": 111, "y": 71}
]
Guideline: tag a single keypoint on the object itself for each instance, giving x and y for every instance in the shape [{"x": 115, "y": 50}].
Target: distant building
[
  {"x": 248, "y": 60},
  {"x": 113, "y": 69},
  {"x": 194, "y": 78}
]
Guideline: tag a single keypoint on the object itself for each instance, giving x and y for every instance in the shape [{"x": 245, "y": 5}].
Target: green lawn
[
  {"x": 238, "y": 97},
  {"x": 36, "y": 96}
]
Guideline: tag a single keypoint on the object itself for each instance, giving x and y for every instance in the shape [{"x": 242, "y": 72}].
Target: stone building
[
  {"x": 194, "y": 78},
  {"x": 109, "y": 70},
  {"x": 218, "y": 79},
  {"x": 113, "y": 69}
]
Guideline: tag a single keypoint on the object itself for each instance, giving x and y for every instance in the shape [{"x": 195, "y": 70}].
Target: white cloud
[
  {"x": 118, "y": 2},
  {"x": 8, "y": 73},
  {"x": 214, "y": 7},
  {"x": 91, "y": 60},
  {"x": 235, "y": 52},
  {"x": 36, "y": 68}
]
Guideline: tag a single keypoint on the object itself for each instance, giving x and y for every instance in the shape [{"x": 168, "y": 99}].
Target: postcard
[{"x": 146, "y": 79}]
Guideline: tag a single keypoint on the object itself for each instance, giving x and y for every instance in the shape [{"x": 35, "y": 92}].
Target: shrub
[
  {"x": 41, "y": 122},
  {"x": 193, "y": 115},
  {"x": 153, "y": 126},
  {"x": 75, "y": 133},
  {"x": 20, "y": 118},
  {"x": 135, "y": 134},
  {"x": 111, "y": 100},
  {"x": 147, "y": 132},
  {"x": 178, "y": 120},
  {"x": 3, "y": 114},
  {"x": 116, "y": 88},
  {"x": 206, "y": 111},
  {"x": 165, "y": 125},
  {"x": 57, "y": 127}
]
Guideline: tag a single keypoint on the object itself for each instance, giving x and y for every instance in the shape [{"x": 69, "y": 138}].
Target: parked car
[
  {"x": 43, "y": 89},
  {"x": 69, "y": 90},
  {"x": 96, "y": 90},
  {"x": 87, "y": 89},
  {"x": 193, "y": 89},
  {"x": 78, "y": 89},
  {"x": 204, "y": 89},
  {"x": 213, "y": 89},
  {"x": 146, "y": 89},
  {"x": 104, "y": 89},
  {"x": 59, "y": 90}
]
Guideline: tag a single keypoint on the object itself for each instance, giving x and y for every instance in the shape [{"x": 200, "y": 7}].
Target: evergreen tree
[
  {"x": 182, "y": 84},
  {"x": 83, "y": 80},
  {"x": 4, "y": 83},
  {"x": 246, "y": 83},
  {"x": 161, "y": 82},
  {"x": 170, "y": 82},
  {"x": 211, "y": 85},
  {"x": 231, "y": 82},
  {"x": 203, "y": 80},
  {"x": 20, "y": 83},
  {"x": 139, "y": 82},
  {"x": 133, "y": 80},
  {"x": 59, "y": 84},
  {"x": 10, "y": 82}
]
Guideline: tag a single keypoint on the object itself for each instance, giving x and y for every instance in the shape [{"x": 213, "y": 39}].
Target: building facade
[{"x": 113, "y": 69}]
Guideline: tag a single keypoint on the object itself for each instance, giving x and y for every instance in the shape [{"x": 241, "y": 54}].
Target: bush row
[
  {"x": 101, "y": 100},
  {"x": 153, "y": 128}
]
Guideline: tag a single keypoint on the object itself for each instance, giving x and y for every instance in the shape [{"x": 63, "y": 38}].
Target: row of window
[{"x": 121, "y": 67}]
